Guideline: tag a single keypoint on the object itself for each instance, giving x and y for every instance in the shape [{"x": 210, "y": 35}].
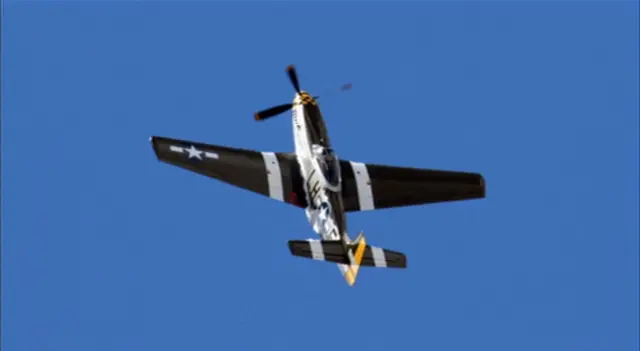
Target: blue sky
[{"x": 105, "y": 248}]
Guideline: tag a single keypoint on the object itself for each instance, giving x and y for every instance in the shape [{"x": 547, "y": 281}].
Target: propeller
[
  {"x": 293, "y": 77},
  {"x": 273, "y": 111},
  {"x": 276, "y": 110}
]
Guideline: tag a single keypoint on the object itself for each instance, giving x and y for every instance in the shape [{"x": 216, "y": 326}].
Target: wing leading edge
[
  {"x": 371, "y": 186},
  {"x": 272, "y": 174}
]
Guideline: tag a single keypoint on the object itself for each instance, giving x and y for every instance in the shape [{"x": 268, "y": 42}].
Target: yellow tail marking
[
  {"x": 348, "y": 276},
  {"x": 351, "y": 274}
]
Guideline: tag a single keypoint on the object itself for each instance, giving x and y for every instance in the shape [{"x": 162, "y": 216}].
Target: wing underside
[
  {"x": 272, "y": 174},
  {"x": 370, "y": 186},
  {"x": 277, "y": 175}
]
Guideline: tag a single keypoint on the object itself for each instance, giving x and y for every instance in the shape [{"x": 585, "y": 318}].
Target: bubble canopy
[{"x": 329, "y": 164}]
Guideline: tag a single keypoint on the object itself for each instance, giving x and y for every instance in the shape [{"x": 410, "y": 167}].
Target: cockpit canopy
[{"x": 329, "y": 164}]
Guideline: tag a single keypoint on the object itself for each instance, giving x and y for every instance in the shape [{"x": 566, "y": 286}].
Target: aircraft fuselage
[{"x": 325, "y": 210}]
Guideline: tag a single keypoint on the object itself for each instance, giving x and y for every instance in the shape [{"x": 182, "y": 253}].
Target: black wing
[
  {"x": 271, "y": 174},
  {"x": 370, "y": 186}
]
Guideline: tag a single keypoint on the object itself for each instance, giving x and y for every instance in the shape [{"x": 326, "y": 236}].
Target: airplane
[{"x": 313, "y": 178}]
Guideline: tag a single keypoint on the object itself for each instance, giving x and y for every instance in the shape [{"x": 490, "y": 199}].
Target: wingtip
[
  {"x": 152, "y": 140},
  {"x": 483, "y": 185}
]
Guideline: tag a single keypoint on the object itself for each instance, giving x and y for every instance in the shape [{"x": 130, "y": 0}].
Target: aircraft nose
[{"x": 305, "y": 98}]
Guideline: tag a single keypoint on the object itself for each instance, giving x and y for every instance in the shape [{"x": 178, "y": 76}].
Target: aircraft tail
[{"x": 350, "y": 257}]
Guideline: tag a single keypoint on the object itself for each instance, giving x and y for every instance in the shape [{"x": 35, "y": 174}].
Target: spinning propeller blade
[
  {"x": 291, "y": 70},
  {"x": 273, "y": 111},
  {"x": 276, "y": 110}
]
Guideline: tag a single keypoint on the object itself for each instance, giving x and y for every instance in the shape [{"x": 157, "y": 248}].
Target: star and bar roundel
[{"x": 193, "y": 152}]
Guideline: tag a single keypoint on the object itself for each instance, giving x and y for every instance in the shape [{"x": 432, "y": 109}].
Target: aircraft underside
[{"x": 314, "y": 179}]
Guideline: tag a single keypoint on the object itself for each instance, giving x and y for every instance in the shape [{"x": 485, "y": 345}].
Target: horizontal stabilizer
[{"x": 333, "y": 251}]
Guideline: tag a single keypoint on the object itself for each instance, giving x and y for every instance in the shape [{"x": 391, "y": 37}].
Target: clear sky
[{"x": 105, "y": 248}]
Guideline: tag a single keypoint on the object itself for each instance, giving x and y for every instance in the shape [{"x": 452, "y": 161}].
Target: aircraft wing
[
  {"x": 271, "y": 174},
  {"x": 368, "y": 187}
]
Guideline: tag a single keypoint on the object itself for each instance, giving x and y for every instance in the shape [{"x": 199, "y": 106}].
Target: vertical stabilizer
[{"x": 351, "y": 273}]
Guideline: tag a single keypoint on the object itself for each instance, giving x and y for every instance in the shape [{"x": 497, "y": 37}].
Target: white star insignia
[{"x": 193, "y": 152}]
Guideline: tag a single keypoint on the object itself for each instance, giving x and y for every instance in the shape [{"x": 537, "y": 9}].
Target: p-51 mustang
[{"x": 316, "y": 180}]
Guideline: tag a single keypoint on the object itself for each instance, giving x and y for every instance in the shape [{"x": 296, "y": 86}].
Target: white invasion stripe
[
  {"x": 274, "y": 178},
  {"x": 363, "y": 183},
  {"x": 211, "y": 155},
  {"x": 317, "y": 253},
  {"x": 378, "y": 257},
  {"x": 176, "y": 149}
]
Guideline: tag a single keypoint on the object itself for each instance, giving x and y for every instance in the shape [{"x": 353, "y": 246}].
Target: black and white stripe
[
  {"x": 274, "y": 176},
  {"x": 317, "y": 252},
  {"x": 333, "y": 251},
  {"x": 379, "y": 259},
  {"x": 363, "y": 186}
]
